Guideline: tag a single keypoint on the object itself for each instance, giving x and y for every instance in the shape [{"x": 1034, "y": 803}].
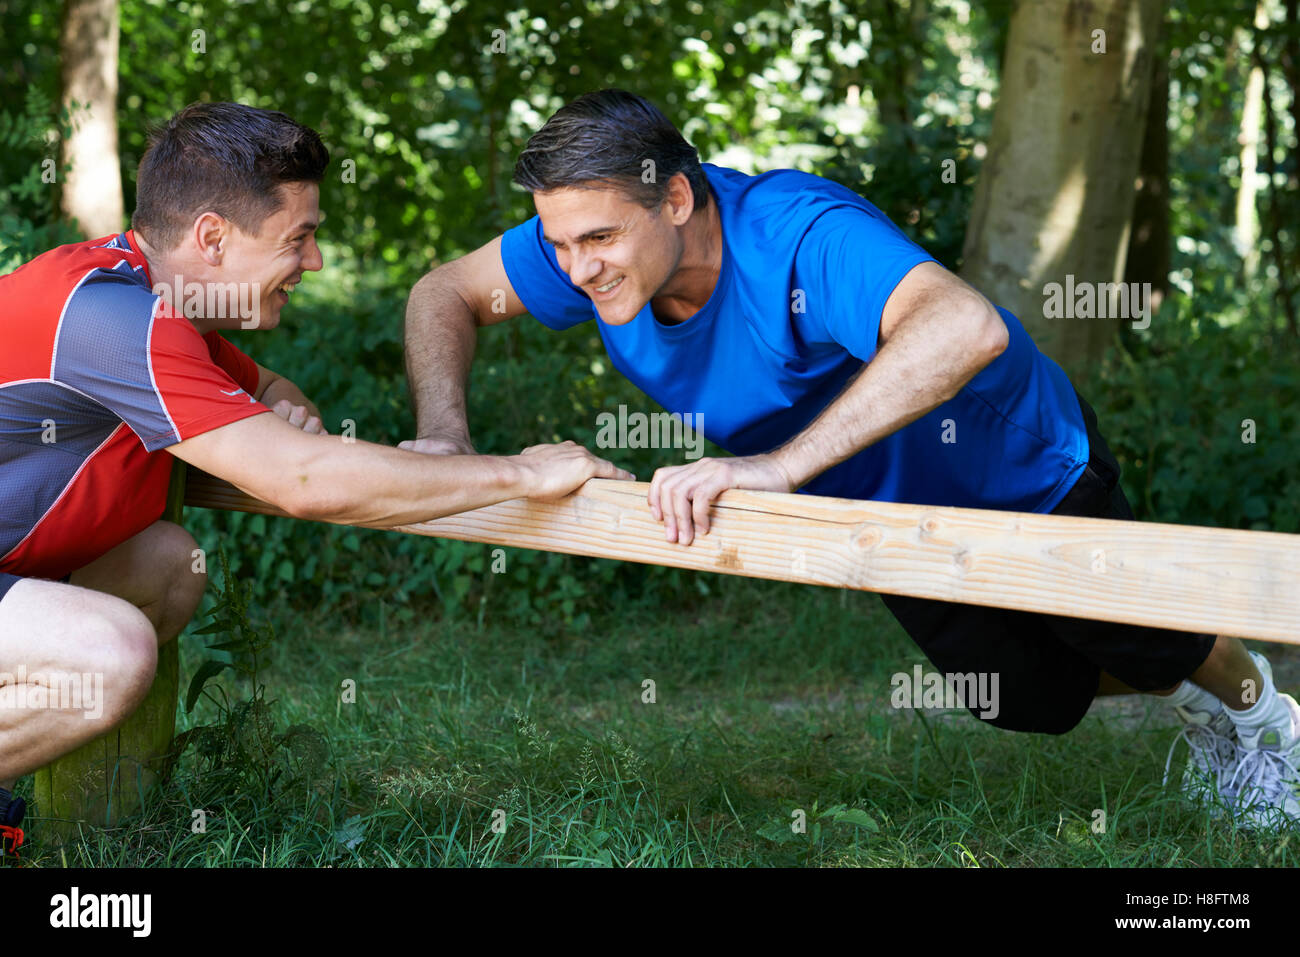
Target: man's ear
[
  {"x": 680, "y": 199},
  {"x": 210, "y": 233}
]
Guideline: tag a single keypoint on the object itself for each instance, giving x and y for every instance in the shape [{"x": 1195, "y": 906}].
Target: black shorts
[{"x": 1048, "y": 666}]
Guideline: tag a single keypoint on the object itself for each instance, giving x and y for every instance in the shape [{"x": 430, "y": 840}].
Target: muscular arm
[
  {"x": 329, "y": 478},
  {"x": 936, "y": 334},
  {"x": 443, "y": 314}
]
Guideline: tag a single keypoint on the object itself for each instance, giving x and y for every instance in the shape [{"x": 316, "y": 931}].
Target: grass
[{"x": 770, "y": 700}]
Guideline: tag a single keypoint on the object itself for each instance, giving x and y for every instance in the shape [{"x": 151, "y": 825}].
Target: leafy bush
[
  {"x": 29, "y": 223},
  {"x": 1175, "y": 412}
]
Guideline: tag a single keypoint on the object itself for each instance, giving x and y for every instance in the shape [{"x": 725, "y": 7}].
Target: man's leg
[
  {"x": 1224, "y": 674},
  {"x": 1243, "y": 734},
  {"x": 108, "y": 621},
  {"x": 51, "y": 635},
  {"x": 154, "y": 571}
]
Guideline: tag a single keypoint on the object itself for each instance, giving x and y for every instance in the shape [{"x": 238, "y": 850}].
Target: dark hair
[
  {"x": 226, "y": 158},
  {"x": 607, "y": 136}
]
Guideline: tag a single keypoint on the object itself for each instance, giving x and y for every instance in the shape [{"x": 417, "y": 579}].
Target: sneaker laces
[
  {"x": 1265, "y": 775},
  {"x": 1212, "y": 743}
]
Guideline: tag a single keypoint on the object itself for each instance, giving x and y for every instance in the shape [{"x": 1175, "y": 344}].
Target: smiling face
[
  {"x": 274, "y": 260},
  {"x": 615, "y": 250}
]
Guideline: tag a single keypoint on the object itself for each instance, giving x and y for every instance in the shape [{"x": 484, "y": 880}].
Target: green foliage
[
  {"x": 29, "y": 170},
  {"x": 1174, "y": 412},
  {"x": 772, "y": 697},
  {"x": 242, "y": 756}
]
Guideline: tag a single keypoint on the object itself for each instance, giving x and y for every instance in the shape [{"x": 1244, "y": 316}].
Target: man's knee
[
  {"x": 161, "y": 571},
  {"x": 122, "y": 647},
  {"x": 189, "y": 564},
  {"x": 178, "y": 545}
]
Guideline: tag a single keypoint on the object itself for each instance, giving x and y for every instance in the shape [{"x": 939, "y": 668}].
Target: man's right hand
[{"x": 560, "y": 469}]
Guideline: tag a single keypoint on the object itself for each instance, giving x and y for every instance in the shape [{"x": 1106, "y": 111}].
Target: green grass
[{"x": 770, "y": 698}]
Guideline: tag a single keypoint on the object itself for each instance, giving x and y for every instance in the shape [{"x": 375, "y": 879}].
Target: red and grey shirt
[{"x": 97, "y": 376}]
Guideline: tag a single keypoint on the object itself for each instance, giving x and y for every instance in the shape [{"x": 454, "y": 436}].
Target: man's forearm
[
  {"x": 907, "y": 378},
  {"x": 359, "y": 483},
  {"x": 441, "y": 332}
]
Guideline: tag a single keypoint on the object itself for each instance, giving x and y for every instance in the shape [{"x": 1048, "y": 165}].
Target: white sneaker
[
  {"x": 1214, "y": 752},
  {"x": 1266, "y": 783}
]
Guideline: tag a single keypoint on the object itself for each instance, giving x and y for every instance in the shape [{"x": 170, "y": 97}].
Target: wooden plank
[{"x": 1187, "y": 578}]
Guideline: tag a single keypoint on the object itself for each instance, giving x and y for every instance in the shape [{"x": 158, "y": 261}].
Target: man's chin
[
  {"x": 259, "y": 322},
  {"x": 617, "y": 317}
]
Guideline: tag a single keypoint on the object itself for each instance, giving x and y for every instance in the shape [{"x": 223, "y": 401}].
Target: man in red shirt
[{"x": 112, "y": 353}]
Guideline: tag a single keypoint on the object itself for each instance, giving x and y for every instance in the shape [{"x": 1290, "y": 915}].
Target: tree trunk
[
  {"x": 1055, "y": 197},
  {"x": 1148, "y": 246},
  {"x": 1245, "y": 233},
  {"x": 92, "y": 192}
]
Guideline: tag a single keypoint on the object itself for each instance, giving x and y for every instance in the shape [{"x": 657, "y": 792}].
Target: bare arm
[
  {"x": 936, "y": 333},
  {"x": 443, "y": 314},
  {"x": 329, "y": 478}
]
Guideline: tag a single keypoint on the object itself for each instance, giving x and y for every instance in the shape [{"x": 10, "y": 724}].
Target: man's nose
[
  {"x": 583, "y": 268},
  {"x": 313, "y": 261}
]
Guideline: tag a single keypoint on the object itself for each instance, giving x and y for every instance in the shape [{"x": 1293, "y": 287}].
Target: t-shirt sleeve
[
  {"x": 122, "y": 346},
  {"x": 539, "y": 282},
  {"x": 849, "y": 262},
  {"x": 238, "y": 365}
]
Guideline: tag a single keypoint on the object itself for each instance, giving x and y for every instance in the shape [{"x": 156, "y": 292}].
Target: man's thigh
[
  {"x": 49, "y": 626},
  {"x": 144, "y": 568}
]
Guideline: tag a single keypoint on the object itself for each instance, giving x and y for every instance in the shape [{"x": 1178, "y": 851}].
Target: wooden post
[{"x": 109, "y": 777}]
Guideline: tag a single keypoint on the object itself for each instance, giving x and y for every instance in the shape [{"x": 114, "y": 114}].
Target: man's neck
[
  {"x": 698, "y": 270},
  {"x": 153, "y": 260},
  {"x": 169, "y": 278}
]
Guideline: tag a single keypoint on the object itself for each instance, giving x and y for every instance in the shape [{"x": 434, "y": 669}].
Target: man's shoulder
[
  {"x": 46, "y": 286},
  {"x": 779, "y": 209},
  {"x": 781, "y": 187},
  {"x": 78, "y": 259}
]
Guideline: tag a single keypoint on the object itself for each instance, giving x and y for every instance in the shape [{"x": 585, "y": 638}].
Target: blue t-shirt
[{"x": 807, "y": 266}]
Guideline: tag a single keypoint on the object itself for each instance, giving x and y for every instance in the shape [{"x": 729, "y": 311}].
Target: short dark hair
[
  {"x": 226, "y": 158},
  {"x": 607, "y": 137}
]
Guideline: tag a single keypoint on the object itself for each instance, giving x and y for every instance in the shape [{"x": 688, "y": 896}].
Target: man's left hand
[
  {"x": 680, "y": 495},
  {"x": 299, "y": 416}
]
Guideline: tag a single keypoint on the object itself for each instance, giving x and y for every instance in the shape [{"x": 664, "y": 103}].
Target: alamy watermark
[
  {"x": 658, "y": 430},
  {"x": 217, "y": 300},
  {"x": 977, "y": 691},
  {"x": 1098, "y": 300},
  {"x": 39, "y": 691}
]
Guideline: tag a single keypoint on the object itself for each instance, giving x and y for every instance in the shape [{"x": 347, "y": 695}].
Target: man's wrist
[
  {"x": 282, "y": 389},
  {"x": 512, "y": 475},
  {"x": 788, "y": 461}
]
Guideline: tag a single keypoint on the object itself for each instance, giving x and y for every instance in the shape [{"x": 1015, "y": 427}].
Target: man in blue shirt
[{"x": 831, "y": 355}]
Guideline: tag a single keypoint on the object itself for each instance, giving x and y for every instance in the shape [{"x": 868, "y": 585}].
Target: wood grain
[{"x": 1187, "y": 578}]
